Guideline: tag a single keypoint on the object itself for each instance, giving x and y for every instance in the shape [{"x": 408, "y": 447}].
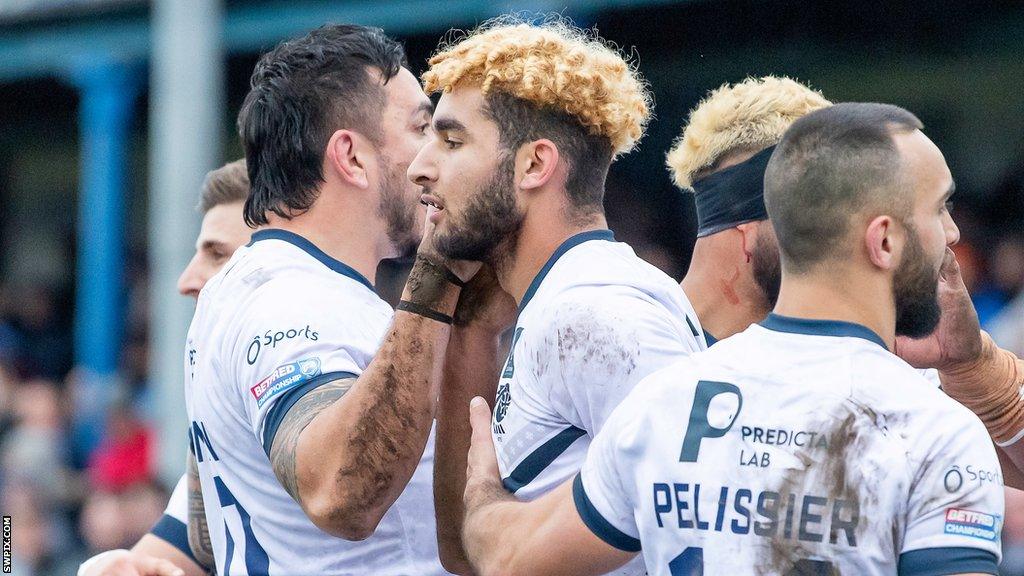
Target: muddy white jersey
[
  {"x": 280, "y": 319},
  {"x": 795, "y": 447},
  {"x": 593, "y": 323}
]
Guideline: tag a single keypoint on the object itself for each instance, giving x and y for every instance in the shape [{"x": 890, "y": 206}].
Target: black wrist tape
[{"x": 421, "y": 310}]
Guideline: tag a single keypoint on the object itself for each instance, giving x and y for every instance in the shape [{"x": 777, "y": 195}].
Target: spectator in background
[
  {"x": 34, "y": 450},
  {"x": 124, "y": 457},
  {"x": 42, "y": 331},
  {"x": 119, "y": 519},
  {"x": 1007, "y": 327}
]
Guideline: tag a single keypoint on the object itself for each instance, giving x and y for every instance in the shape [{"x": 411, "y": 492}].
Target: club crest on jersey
[
  {"x": 285, "y": 377},
  {"x": 974, "y": 524},
  {"x": 501, "y": 403}
]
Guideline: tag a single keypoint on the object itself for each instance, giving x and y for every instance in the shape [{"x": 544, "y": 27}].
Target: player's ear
[
  {"x": 346, "y": 157},
  {"x": 883, "y": 241},
  {"x": 748, "y": 238},
  {"x": 536, "y": 164}
]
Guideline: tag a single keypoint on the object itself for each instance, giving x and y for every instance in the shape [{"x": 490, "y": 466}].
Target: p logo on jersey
[
  {"x": 285, "y": 377},
  {"x": 716, "y": 405}
]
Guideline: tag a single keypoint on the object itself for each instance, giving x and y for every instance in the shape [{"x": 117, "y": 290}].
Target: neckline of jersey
[
  {"x": 311, "y": 249},
  {"x": 569, "y": 244},
  {"x": 815, "y": 327}
]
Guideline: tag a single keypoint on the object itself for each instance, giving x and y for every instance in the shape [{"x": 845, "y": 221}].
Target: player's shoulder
[
  {"x": 280, "y": 274},
  {"x": 269, "y": 291},
  {"x": 907, "y": 393},
  {"x": 604, "y": 313},
  {"x": 616, "y": 263},
  {"x": 668, "y": 386}
]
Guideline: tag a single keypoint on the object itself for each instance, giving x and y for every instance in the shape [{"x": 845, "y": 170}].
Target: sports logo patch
[
  {"x": 974, "y": 524},
  {"x": 285, "y": 377}
]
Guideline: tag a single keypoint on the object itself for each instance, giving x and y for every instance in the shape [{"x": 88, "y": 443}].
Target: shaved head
[{"x": 830, "y": 166}]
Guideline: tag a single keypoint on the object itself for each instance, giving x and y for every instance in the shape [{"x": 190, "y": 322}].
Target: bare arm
[
  {"x": 471, "y": 369},
  {"x": 346, "y": 450},
  {"x": 504, "y": 536},
  {"x": 198, "y": 531}
]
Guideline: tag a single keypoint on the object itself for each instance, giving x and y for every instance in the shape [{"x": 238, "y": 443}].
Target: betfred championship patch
[
  {"x": 973, "y": 524},
  {"x": 284, "y": 378}
]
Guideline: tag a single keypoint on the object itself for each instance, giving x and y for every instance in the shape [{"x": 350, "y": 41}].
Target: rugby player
[
  {"x": 733, "y": 279},
  {"x": 311, "y": 401},
  {"x": 801, "y": 445},
  {"x": 222, "y": 232},
  {"x": 733, "y": 276},
  {"x": 732, "y": 285},
  {"x": 529, "y": 120}
]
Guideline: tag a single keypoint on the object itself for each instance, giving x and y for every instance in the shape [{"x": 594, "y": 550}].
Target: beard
[
  {"x": 398, "y": 214},
  {"x": 767, "y": 270},
  {"x": 489, "y": 219},
  {"x": 915, "y": 286}
]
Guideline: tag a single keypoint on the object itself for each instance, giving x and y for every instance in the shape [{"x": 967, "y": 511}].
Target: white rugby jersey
[
  {"x": 280, "y": 319},
  {"x": 172, "y": 527},
  {"x": 593, "y": 323},
  {"x": 795, "y": 447}
]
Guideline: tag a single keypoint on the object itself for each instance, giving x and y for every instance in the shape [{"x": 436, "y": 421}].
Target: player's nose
[
  {"x": 192, "y": 279},
  {"x": 952, "y": 232},
  {"x": 422, "y": 170}
]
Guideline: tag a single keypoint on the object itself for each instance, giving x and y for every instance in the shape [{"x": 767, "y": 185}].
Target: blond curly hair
[
  {"x": 752, "y": 114},
  {"x": 553, "y": 65}
]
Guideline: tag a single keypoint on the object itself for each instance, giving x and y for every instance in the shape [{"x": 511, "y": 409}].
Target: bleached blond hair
[
  {"x": 752, "y": 114},
  {"x": 552, "y": 65}
]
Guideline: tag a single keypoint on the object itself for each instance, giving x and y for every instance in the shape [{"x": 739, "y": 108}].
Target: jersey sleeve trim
[
  {"x": 601, "y": 528},
  {"x": 541, "y": 458},
  {"x": 942, "y": 561},
  {"x": 174, "y": 532},
  {"x": 280, "y": 409}
]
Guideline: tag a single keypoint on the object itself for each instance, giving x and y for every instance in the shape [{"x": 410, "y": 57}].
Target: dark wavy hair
[{"x": 302, "y": 92}]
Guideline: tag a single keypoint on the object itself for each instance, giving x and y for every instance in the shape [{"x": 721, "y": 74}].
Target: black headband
[{"x": 732, "y": 196}]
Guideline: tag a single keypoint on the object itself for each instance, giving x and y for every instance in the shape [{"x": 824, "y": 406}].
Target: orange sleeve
[{"x": 991, "y": 388}]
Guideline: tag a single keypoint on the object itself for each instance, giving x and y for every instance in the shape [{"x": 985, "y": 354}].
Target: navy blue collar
[
  {"x": 569, "y": 244},
  {"x": 709, "y": 339},
  {"x": 793, "y": 325},
  {"x": 311, "y": 249}
]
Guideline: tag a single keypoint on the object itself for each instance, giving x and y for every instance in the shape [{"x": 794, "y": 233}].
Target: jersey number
[
  {"x": 691, "y": 563},
  {"x": 256, "y": 560}
]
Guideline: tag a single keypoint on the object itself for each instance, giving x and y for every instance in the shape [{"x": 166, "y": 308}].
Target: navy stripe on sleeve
[
  {"x": 174, "y": 532},
  {"x": 541, "y": 458},
  {"x": 596, "y": 522},
  {"x": 942, "y": 561},
  {"x": 280, "y": 408}
]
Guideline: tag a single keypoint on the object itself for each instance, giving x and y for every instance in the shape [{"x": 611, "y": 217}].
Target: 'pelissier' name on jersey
[{"x": 795, "y": 445}]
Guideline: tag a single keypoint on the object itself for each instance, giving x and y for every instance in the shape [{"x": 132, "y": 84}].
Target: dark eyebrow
[
  {"x": 211, "y": 245},
  {"x": 448, "y": 125},
  {"x": 426, "y": 106}
]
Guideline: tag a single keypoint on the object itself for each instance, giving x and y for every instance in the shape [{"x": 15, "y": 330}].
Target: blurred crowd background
[{"x": 81, "y": 464}]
